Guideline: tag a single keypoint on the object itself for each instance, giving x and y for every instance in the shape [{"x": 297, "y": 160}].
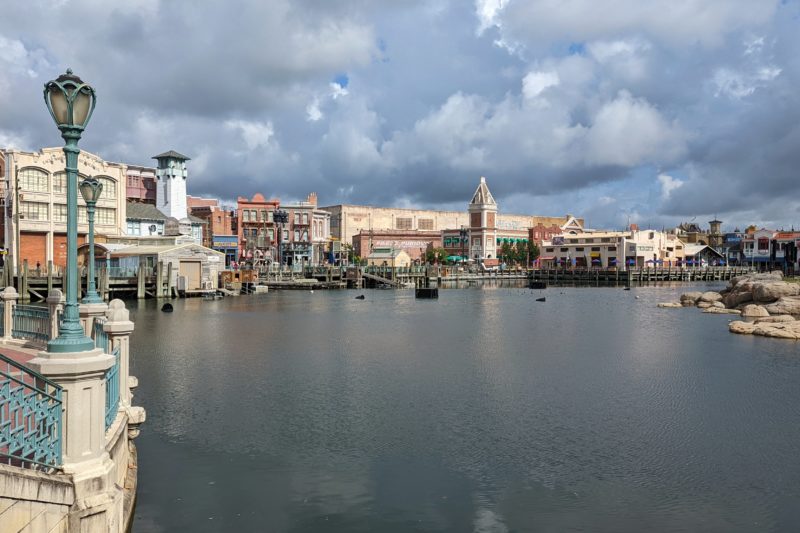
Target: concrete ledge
[{"x": 25, "y": 484}]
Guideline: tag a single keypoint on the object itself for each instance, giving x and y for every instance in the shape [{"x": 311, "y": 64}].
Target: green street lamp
[
  {"x": 70, "y": 102},
  {"x": 90, "y": 190}
]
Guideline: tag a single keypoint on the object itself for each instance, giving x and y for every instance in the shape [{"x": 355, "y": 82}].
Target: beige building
[
  {"x": 613, "y": 249},
  {"x": 36, "y": 203},
  {"x": 348, "y": 221},
  {"x": 389, "y": 257}
]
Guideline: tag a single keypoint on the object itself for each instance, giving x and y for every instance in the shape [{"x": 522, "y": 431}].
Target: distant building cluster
[{"x": 150, "y": 206}]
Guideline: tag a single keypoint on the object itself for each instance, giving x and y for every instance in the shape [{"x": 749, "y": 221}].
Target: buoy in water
[
  {"x": 167, "y": 308},
  {"x": 541, "y": 299},
  {"x": 360, "y": 297}
]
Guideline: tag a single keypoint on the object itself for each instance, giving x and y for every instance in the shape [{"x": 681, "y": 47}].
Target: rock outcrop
[
  {"x": 688, "y": 299},
  {"x": 772, "y": 291},
  {"x": 786, "y": 305},
  {"x": 753, "y": 310},
  {"x": 670, "y": 304},
  {"x": 741, "y": 327},
  {"x": 710, "y": 297}
]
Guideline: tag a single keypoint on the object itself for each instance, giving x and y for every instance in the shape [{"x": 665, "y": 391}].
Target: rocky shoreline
[{"x": 768, "y": 304}]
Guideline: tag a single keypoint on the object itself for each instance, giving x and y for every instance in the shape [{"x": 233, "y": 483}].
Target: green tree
[{"x": 507, "y": 252}]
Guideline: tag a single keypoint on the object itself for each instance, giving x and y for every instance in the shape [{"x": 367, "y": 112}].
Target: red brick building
[{"x": 256, "y": 228}]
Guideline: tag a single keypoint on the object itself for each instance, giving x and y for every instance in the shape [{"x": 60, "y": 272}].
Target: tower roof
[
  {"x": 482, "y": 194},
  {"x": 173, "y": 154}
]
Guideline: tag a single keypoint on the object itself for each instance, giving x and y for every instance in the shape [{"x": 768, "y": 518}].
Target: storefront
[{"x": 228, "y": 245}]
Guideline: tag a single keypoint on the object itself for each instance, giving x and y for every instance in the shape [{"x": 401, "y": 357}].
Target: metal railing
[
  {"x": 112, "y": 390},
  {"x": 30, "y": 417},
  {"x": 2, "y": 319},
  {"x": 31, "y": 323},
  {"x": 100, "y": 335},
  {"x": 123, "y": 272}
]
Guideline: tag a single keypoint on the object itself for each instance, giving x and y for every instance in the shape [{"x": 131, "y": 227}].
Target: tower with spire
[{"x": 482, "y": 223}]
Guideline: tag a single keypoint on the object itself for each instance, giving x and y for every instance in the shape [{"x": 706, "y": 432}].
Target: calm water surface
[{"x": 483, "y": 411}]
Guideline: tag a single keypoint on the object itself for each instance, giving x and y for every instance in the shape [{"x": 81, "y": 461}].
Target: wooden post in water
[
  {"x": 169, "y": 280},
  {"x": 159, "y": 280},
  {"x": 140, "y": 282}
]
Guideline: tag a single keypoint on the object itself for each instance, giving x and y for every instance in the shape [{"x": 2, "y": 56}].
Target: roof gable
[{"x": 482, "y": 194}]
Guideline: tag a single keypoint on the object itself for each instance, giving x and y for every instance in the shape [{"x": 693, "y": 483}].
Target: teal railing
[
  {"x": 31, "y": 323},
  {"x": 2, "y": 318},
  {"x": 112, "y": 390},
  {"x": 100, "y": 336},
  {"x": 30, "y": 417}
]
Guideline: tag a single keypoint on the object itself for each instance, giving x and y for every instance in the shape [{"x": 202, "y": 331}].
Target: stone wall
[{"x": 33, "y": 501}]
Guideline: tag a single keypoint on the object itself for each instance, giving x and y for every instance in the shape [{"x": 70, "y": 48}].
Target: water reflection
[{"x": 483, "y": 411}]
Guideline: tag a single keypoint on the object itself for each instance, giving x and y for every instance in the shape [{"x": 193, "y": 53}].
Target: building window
[
  {"x": 403, "y": 223},
  {"x": 59, "y": 213},
  {"x": 595, "y": 248},
  {"x": 297, "y": 218},
  {"x": 269, "y": 216},
  {"x": 59, "y": 183},
  {"x": 296, "y": 235},
  {"x": 109, "y": 188},
  {"x": 33, "y": 179},
  {"x": 263, "y": 215},
  {"x": 425, "y": 223},
  {"x": 305, "y": 218},
  {"x": 285, "y": 235},
  {"x": 549, "y": 250},
  {"x": 579, "y": 249},
  {"x": 134, "y": 228},
  {"x": 34, "y": 210},
  {"x": 305, "y": 235},
  {"x": 271, "y": 233},
  {"x": 245, "y": 215},
  {"x": 105, "y": 216},
  {"x": 564, "y": 249},
  {"x": 82, "y": 217}
]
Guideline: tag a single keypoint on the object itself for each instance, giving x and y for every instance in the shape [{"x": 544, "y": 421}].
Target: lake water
[{"x": 483, "y": 411}]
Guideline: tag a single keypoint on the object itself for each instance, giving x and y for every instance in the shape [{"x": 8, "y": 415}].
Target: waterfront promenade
[{"x": 67, "y": 423}]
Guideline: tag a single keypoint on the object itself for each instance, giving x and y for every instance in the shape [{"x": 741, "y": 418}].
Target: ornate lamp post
[
  {"x": 280, "y": 217},
  {"x": 464, "y": 233},
  {"x": 90, "y": 190},
  {"x": 70, "y": 102}
]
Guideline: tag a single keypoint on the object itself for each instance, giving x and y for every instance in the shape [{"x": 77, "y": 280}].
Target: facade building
[
  {"x": 256, "y": 230},
  {"x": 389, "y": 257},
  {"x": 613, "y": 249},
  {"x": 414, "y": 242},
  {"x": 36, "y": 204},
  {"x": 141, "y": 184},
  {"x": 757, "y": 247},
  {"x": 218, "y": 226}
]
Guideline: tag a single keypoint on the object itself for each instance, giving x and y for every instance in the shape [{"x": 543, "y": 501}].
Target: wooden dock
[{"x": 634, "y": 276}]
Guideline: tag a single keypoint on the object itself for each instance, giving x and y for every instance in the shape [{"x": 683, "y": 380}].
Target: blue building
[{"x": 228, "y": 245}]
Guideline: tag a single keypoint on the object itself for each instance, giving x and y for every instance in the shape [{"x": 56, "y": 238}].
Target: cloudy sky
[{"x": 616, "y": 110}]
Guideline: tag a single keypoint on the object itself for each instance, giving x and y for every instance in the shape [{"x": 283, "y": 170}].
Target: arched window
[
  {"x": 60, "y": 183},
  {"x": 33, "y": 179},
  {"x": 109, "y": 188}
]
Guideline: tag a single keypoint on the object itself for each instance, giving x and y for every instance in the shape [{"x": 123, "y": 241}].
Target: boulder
[
  {"x": 718, "y": 305},
  {"x": 741, "y": 327},
  {"x": 722, "y": 311},
  {"x": 768, "y": 292},
  {"x": 670, "y": 304},
  {"x": 753, "y": 310},
  {"x": 688, "y": 299},
  {"x": 703, "y": 305},
  {"x": 778, "y": 330},
  {"x": 776, "y": 318},
  {"x": 786, "y": 305},
  {"x": 740, "y": 294},
  {"x": 710, "y": 297}
]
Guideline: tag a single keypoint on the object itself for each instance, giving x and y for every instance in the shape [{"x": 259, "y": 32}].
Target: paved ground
[{"x": 18, "y": 354}]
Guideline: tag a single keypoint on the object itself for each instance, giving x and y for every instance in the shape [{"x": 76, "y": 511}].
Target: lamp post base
[{"x": 70, "y": 344}]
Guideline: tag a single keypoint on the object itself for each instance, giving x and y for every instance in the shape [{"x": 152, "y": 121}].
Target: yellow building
[{"x": 389, "y": 257}]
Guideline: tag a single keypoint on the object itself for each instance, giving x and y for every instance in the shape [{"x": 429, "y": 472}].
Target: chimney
[{"x": 312, "y": 199}]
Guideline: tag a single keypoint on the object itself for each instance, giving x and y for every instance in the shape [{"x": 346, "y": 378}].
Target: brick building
[
  {"x": 141, "y": 184},
  {"x": 218, "y": 225},
  {"x": 413, "y": 242},
  {"x": 256, "y": 229}
]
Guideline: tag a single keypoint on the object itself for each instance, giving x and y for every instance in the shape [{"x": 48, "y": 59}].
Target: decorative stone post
[
  {"x": 98, "y": 500},
  {"x": 10, "y": 297},
  {"x": 55, "y": 304},
  {"x": 119, "y": 328},
  {"x": 88, "y": 312}
]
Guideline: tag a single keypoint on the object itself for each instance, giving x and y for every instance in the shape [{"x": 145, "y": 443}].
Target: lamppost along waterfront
[
  {"x": 464, "y": 233},
  {"x": 90, "y": 190},
  {"x": 70, "y": 102},
  {"x": 280, "y": 217}
]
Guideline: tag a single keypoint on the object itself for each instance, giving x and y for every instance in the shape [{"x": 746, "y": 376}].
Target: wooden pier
[{"x": 634, "y": 276}]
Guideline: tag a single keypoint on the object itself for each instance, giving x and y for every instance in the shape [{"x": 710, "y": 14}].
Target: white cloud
[
  {"x": 739, "y": 84},
  {"x": 254, "y": 134},
  {"x": 668, "y": 184},
  {"x": 313, "y": 112},
  {"x": 534, "y": 83},
  {"x": 628, "y": 131}
]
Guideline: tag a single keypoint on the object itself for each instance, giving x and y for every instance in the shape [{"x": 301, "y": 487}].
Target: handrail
[
  {"x": 31, "y": 323},
  {"x": 30, "y": 416},
  {"x": 112, "y": 390}
]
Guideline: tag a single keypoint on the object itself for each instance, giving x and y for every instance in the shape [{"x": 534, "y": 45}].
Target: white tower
[
  {"x": 171, "y": 184},
  {"x": 482, "y": 223}
]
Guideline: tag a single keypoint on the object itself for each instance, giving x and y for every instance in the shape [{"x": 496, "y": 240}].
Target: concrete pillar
[
  {"x": 119, "y": 327},
  {"x": 88, "y": 312},
  {"x": 9, "y": 296},
  {"x": 98, "y": 500},
  {"x": 55, "y": 304}
]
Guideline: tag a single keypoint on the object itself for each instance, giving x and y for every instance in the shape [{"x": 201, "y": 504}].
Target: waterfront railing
[
  {"x": 30, "y": 417},
  {"x": 31, "y": 323},
  {"x": 112, "y": 390}
]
